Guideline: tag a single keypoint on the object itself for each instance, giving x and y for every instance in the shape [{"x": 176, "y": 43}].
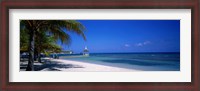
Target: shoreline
[{"x": 73, "y": 66}]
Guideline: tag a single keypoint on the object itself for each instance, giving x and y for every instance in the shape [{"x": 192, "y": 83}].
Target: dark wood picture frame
[{"x": 99, "y": 4}]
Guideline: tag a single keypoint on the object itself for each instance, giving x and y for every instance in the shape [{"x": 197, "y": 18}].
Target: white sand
[
  {"x": 73, "y": 66},
  {"x": 78, "y": 66}
]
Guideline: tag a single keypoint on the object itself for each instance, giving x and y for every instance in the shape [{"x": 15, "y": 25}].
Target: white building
[{"x": 86, "y": 51}]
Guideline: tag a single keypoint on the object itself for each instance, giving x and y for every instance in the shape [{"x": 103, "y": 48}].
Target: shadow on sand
[{"x": 49, "y": 66}]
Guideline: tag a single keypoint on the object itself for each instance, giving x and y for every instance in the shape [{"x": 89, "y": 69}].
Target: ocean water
[{"x": 139, "y": 61}]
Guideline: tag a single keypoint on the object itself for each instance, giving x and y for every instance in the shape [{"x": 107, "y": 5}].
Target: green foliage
[
  {"x": 41, "y": 36},
  {"x": 24, "y": 37},
  {"x": 48, "y": 32}
]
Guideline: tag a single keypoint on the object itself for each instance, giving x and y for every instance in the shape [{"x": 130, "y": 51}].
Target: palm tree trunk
[
  {"x": 30, "y": 66},
  {"x": 39, "y": 57},
  {"x": 35, "y": 54}
]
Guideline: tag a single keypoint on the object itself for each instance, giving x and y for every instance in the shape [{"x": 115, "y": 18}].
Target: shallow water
[{"x": 139, "y": 61}]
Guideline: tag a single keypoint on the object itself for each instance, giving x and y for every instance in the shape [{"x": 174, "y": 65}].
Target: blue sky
[{"x": 128, "y": 36}]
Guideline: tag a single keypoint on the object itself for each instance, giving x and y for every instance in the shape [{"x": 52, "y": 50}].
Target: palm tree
[
  {"x": 24, "y": 40},
  {"x": 45, "y": 44},
  {"x": 55, "y": 27}
]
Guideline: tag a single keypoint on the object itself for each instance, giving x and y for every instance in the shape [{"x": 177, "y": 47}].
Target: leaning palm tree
[
  {"x": 45, "y": 44},
  {"x": 55, "y": 27}
]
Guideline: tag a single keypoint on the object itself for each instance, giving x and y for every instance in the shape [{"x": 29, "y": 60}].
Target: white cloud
[
  {"x": 127, "y": 45},
  {"x": 139, "y": 44},
  {"x": 146, "y": 42},
  {"x": 142, "y": 43}
]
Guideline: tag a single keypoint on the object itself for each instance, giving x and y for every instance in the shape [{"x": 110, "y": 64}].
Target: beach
[
  {"x": 152, "y": 50},
  {"x": 71, "y": 66},
  {"x": 112, "y": 62}
]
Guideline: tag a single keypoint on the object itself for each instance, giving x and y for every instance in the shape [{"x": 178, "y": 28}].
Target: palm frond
[
  {"x": 60, "y": 35},
  {"x": 75, "y": 26}
]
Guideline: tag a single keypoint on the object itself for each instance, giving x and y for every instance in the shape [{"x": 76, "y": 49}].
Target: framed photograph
[{"x": 100, "y": 45}]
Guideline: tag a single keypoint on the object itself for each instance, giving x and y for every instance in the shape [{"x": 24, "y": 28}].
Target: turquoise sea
[{"x": 162, "y": 61}]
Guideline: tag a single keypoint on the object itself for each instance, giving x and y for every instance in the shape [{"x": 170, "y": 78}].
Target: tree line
[{"x": 41, "y": 36}]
